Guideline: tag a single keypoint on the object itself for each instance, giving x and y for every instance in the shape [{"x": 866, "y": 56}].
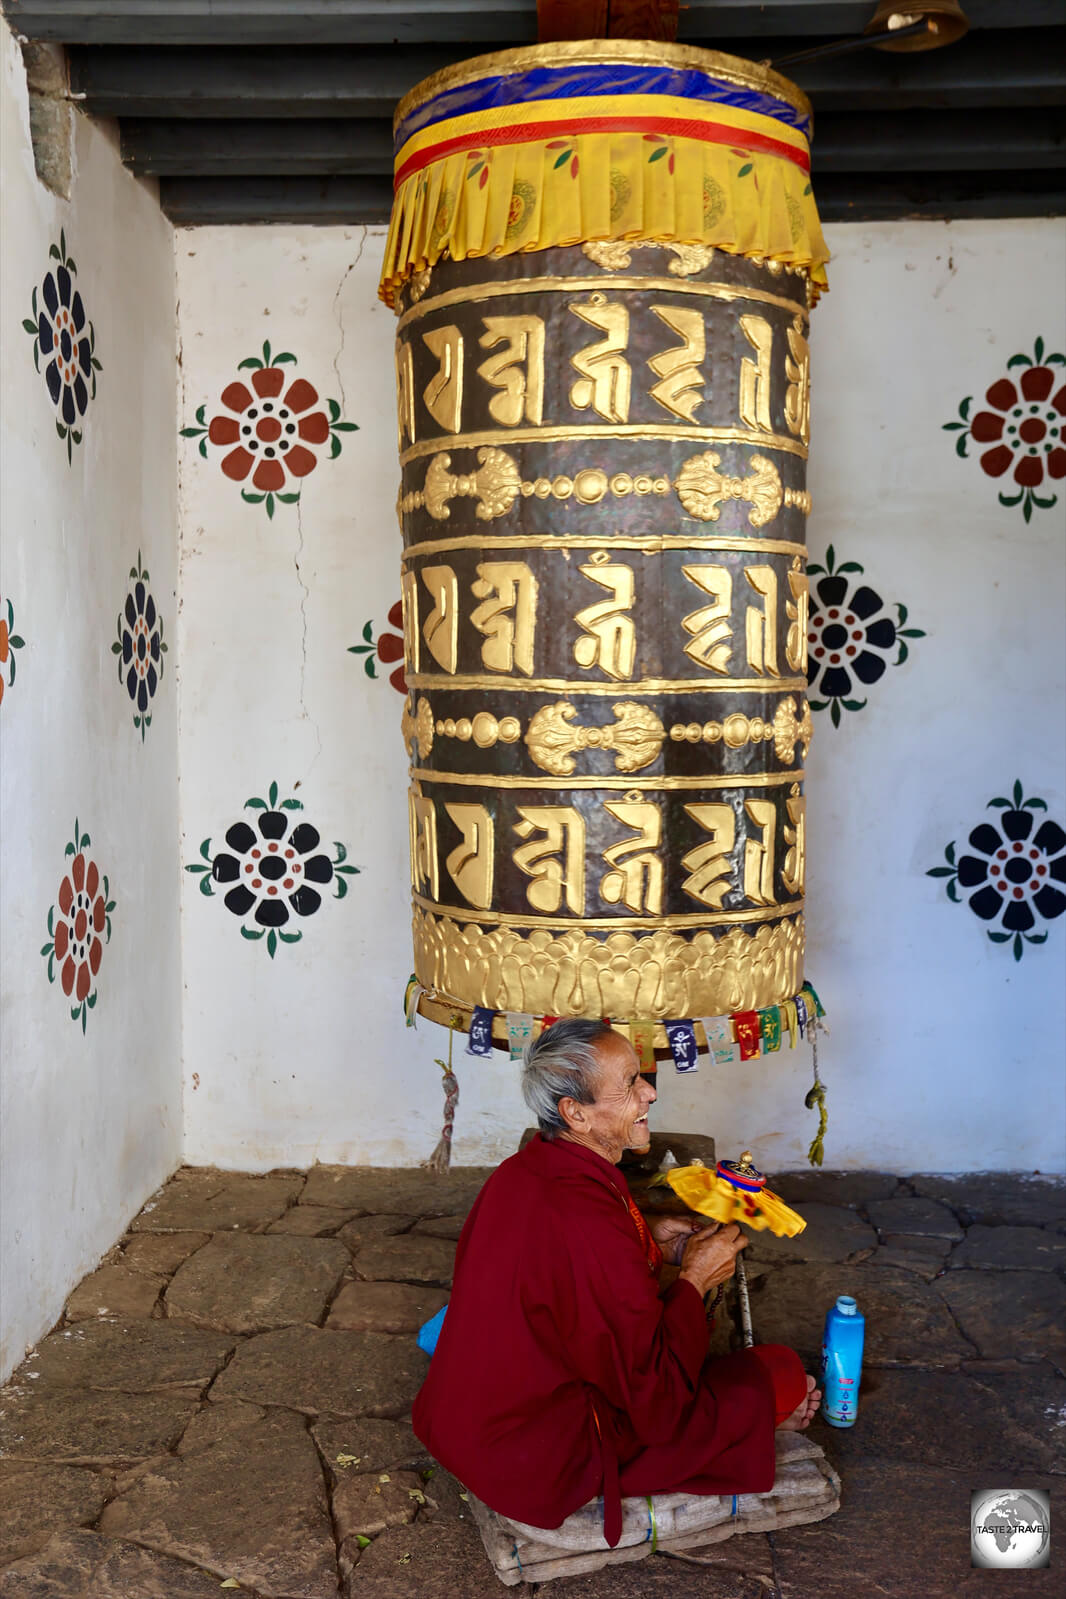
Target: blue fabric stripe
[{"x": 615, "y": 78}]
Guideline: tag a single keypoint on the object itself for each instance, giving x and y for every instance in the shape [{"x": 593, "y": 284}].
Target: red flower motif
[
  {"x": 390, "y": 648},
  {"x": 267, "y": 427},
  {"x": 1025, "y": 429},
  {"x": 82, "y": 919}
]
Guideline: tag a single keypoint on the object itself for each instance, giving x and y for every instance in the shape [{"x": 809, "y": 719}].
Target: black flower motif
[
  {"x": 274, "y": 870},
  {"x": 850, "y": 637},
  {"x": 140, "y": 647},
  {"x": 1011, "y": 877},
  {"x": 64, "y": 336}
]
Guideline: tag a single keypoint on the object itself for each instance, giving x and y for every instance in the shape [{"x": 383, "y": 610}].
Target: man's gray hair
[{"x": 561, "y": 1062}]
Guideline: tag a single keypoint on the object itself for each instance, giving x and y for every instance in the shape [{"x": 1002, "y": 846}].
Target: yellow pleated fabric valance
[{"x": 623, "y": 141}]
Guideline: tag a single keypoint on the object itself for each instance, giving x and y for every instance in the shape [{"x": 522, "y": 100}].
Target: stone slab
[
  {"x": 91, "y": 1429},
  {"x": 218, "y": 1202},
  {"x": 919, "y": 1216},
  {"x": 137, "y": 1357},
  {"x": 376, "y": 1190},
  {"x": 160, "y": 1253},
  {"x": 410, "y": 1258},
  {"x": 84, "y": 1565},
  {"x": 368, "y": 1445},
  {"x": 1019, "y": 1315},
  {"x": 214, "y": 1422},
  {"x": 998, "y": 1199},
  {"x": 114, "y": 1292},
  {"x": 853, "y": 1189},
  {"x": 367, "y": 1503},
  {"x": 918, "y": 1261},
  {"x": 385, "y": 1307},
  {"x": 919, "y": 1244},
  {"x": 251, "y": 1506},
  {"x": 310, "y": 1221},
  {"x": 907, "y": 1323},
  {"x": 441, "y": 1227},
  {"x": 245, "y": 1283},
  {"x": 323, "y": 1372},
  {"x": 368, "y": 1229},
  {"x": 1034, "y": 1396},
  {"x": 39, "y": 1501},
  {"x": 948, "y": 1419},
  {"x": 1010, "y": 1249},
  {"x": 902, "y": 1530},
  {"x": 832, "y": 1233},
  {"x": 430, "y": 1559}
]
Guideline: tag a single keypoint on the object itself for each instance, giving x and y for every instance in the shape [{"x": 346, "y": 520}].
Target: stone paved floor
[{"x": 224, "y": 1403}]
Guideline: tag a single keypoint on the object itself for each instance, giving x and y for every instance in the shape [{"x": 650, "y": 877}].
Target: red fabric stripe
[{"x": 527, "y": 132}]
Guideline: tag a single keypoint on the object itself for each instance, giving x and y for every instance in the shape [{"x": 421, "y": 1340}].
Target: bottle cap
[{"x": 846, "y": 1305}]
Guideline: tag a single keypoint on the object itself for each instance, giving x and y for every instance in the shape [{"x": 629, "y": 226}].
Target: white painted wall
[
  {"x": 945, "y": 1053},
  {"x": 89, "y": 1124}
]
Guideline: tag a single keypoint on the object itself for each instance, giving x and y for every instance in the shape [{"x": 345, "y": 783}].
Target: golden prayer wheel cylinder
[{"x": 603, "y": 256}]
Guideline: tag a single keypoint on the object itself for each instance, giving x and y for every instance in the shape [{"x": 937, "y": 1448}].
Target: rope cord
[{"x": 816, "y": 1098}]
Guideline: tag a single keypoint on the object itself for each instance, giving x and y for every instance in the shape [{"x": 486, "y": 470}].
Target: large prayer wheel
[{"x": 603, "y": 256}]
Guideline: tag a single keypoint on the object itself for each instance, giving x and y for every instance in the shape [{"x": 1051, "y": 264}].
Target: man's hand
[
  {"x": 710, "y": 1257},
  {"x": 672, "y": 1233}
]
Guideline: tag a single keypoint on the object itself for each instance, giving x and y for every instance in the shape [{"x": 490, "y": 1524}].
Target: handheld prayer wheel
[{"x": 603, "y": 256}]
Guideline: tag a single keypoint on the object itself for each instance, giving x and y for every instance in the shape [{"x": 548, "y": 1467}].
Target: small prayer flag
[
  {"x": 810, "y": 991},
  {"x": 748, "y": 1032},
  {"x": 789, "y": 1019},
  {"x": 411, "y": 995},
  {"x": 802, "y": 1014},
  {"x": 770, "y": 1025},
  {"x": 519, "y": 1032},
  {"x": 642, "y": 1037},
  {"x": 719, "y": 1029},
  {"x": 725, "y": 1054},
  {"x": 480, "y": 1039},
  {"x": 682, "y": 1037}
]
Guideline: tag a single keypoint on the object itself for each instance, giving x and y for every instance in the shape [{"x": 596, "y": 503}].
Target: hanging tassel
[
  {"x": 441, "y": 1157},
  {"x": 816, "y": 1097}
]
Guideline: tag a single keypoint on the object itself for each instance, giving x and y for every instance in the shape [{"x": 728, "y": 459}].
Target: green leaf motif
[
  {"x": 941, "y": 871},
  {"x": 561, "y": 160},
  {"x": 273, "y": 793},
  {"x": 658, "y": 153},
  {"x": 745, "y": 169},
  {"x": 1000, "y": 938},
  {"x": 272, "y": 943},
  {"x": 292, "y": 805},
  {"x": 252, "y": 933}
]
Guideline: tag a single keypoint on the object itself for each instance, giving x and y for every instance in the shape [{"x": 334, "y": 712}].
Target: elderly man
[{"x": 562, "y": 1371}]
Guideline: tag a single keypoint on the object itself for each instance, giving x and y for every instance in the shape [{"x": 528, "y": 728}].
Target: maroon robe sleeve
[{"x": 643, "y": 1352}]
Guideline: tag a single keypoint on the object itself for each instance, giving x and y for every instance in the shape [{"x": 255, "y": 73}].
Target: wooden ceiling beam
[
  {"x": 944, "y": 141},
  {"x": 986, "y": 71},
  {"x": 195, "y": 202},
  {"x": 474, "y": 24}
]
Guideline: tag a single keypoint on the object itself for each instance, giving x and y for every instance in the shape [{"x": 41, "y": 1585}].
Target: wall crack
[{"x": 339, "y": 314}]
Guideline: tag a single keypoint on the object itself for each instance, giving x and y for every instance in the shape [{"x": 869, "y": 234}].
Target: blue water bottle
[{"x": 842, "y": 1362}]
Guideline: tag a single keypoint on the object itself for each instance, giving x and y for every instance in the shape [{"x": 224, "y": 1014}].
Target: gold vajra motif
[
  {"x": 654, "y": 975},
  {"x": 636, "y": 738},
  {"x": 791, "y": 729},
  {"x": 416, "y": 727},
  {"x": 484, "y": 728},
  {"x": 701, "y": 487},
  {"x": 786, "y": 730}
]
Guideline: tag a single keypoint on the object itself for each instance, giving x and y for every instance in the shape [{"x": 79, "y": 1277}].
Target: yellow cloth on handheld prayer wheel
[
  {"x": 709, "y": 1193},
  {"x": 602, "y": 256}
]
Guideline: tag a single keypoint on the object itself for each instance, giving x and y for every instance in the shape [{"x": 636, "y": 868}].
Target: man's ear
[{"x": 573, "y": 1114}]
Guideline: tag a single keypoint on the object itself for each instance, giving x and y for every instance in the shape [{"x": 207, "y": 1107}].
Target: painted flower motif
[
  {"x": 850, "y": 637},
  {"x": 1021, "y": 429},
  {"x": 567, "y": 154},
  {"x": 388, "y": 648},
  {"x": 272, "y": 871},
  {"x": 272, "y": 431},
  {"x": 64, "y": 336},
  {"x": 140, "y": 647},
  {"x": 1011, "y": 878},
  {"x": 663, "y": 149},
  {"x": 9, "y": 642},
  {"x": 79, "y": 925}
]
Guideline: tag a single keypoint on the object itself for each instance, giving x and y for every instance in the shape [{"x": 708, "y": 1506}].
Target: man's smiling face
[{"x": 617, "y": 1120}]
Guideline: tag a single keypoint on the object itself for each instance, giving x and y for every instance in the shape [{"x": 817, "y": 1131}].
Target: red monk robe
[{"x": 561, "y": 1373}]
